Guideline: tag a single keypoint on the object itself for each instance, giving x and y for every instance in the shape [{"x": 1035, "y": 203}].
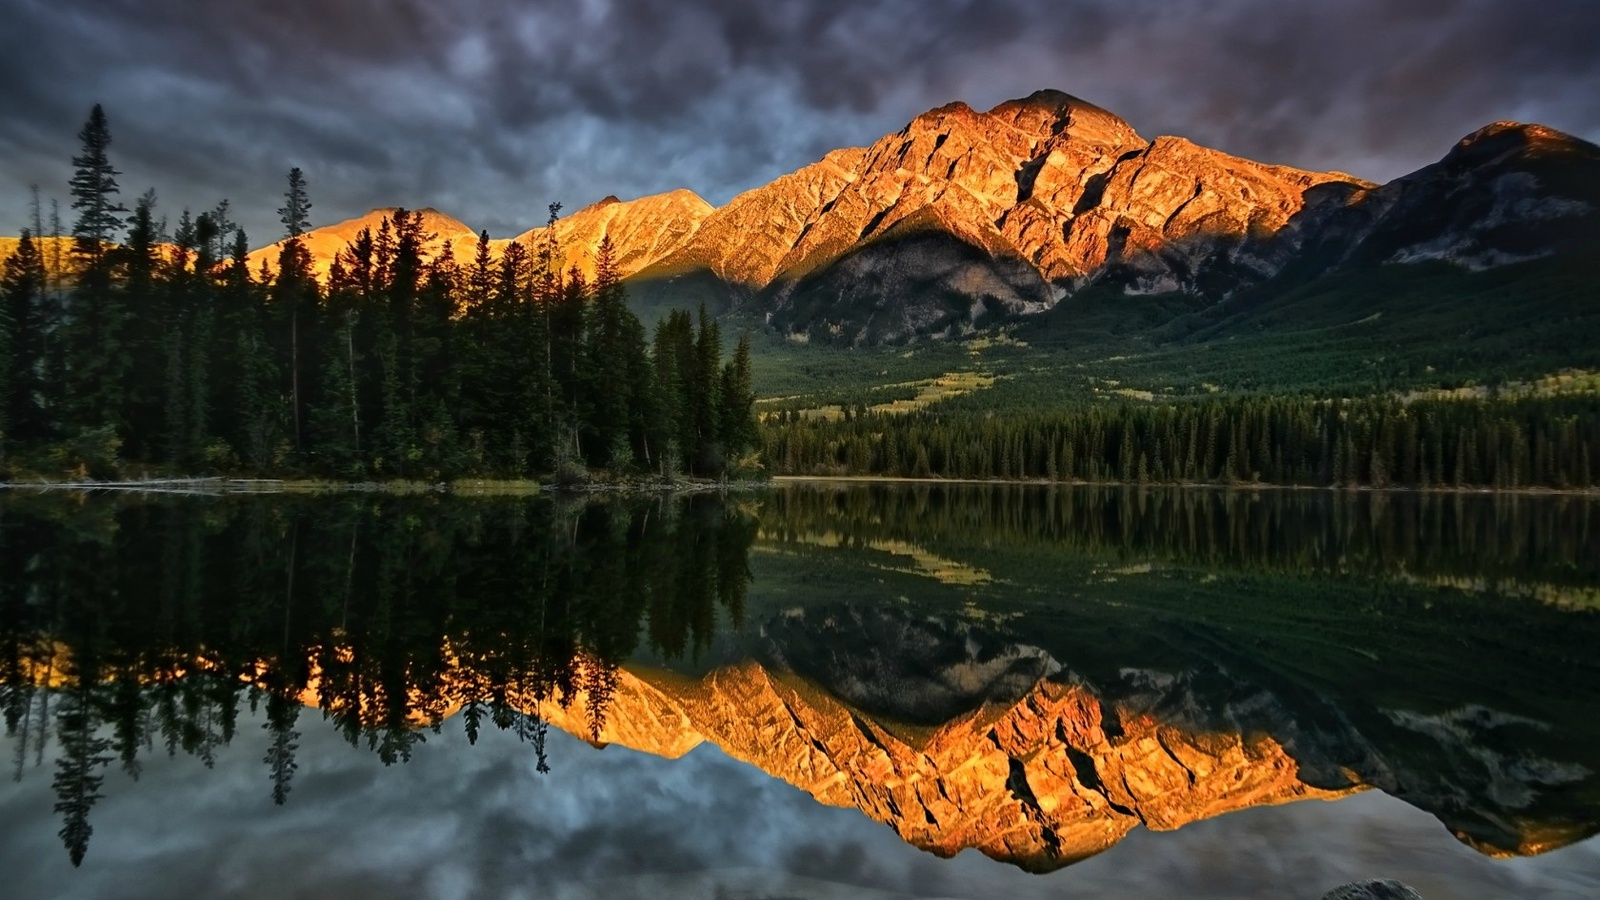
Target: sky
[
  {"x": 490, "y": 109},
  {"x": 462, "y": 823}
]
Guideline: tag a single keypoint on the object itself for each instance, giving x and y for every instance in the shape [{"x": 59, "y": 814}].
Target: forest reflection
[
  {"x": 1454, "y": 535},
  {"x": 136, "y": 625},
  {"x": 150, "y": 623}
]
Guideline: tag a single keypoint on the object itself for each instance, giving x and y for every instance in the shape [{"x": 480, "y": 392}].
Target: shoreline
[
  {"x": 778, "y": 480},
  {"x": 490, "y": 487},
  {"x": 485, "y": 487}
]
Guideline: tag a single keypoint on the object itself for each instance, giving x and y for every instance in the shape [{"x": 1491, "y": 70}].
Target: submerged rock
[{"x": 1377, "y": 889}]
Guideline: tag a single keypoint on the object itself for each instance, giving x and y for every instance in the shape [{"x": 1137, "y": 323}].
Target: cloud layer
[{"x": 488, "y": 109}]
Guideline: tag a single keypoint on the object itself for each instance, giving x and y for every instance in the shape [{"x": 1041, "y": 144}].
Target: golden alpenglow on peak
[
  {"x": 1050, "y": 189},
  {"x": 642, "y": 231},
  {"x": 327, "y": 242}
]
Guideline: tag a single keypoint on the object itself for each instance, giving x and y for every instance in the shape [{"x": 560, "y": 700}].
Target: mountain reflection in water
[{"x": 1127, "y": 658}]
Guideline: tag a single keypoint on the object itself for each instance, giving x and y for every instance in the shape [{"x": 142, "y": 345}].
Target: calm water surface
[{"x": 816, "y": 691}]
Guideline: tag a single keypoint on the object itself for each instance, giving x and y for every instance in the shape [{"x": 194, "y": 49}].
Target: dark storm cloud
[{"x": 489, "y": 108}]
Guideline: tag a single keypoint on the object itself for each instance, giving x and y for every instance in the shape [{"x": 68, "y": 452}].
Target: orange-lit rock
[
  {"x": 326, "y": 243},
  {"x": 1048, "y": 178},
  {"x": 1038, "y": 783},
  {"x": 642, "y": 231}
]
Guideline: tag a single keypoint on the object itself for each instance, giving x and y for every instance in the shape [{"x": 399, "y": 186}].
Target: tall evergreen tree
[
  {"x": 7, "y": 339},
  {"x": 296, "y": 208},
  {"x": 295, "y": 300},
  {"x": 252, "y": 378},
  {"x": 673, "y": 422},
  {"x": 94, "y": 190},
  {"x": 336, "y": 421},
  {"x": 96, "y": 357},
  {"x": 705, "y": 401},
  {"x": 151, "y": 335},
  {"x": 608, "y": 387},
  {"x": 22, "y": 299},
  {"x": 737, "y": 398}
]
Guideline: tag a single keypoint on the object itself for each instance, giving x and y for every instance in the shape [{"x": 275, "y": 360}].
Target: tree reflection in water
[
  {"x": 131, "y": 626},
  {"x": 1031, "y": 672}
]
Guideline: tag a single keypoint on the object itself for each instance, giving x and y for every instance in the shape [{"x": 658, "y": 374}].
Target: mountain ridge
[{"x": 964, "y": 217}]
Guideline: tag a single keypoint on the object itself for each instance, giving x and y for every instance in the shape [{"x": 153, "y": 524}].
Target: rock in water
[{"x": 1384, "y": 889}]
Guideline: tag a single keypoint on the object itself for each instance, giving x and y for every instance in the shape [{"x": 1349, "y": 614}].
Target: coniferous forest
[
  {"x": 156, "y": 347},
  {"x": 1551, "y": 443}
]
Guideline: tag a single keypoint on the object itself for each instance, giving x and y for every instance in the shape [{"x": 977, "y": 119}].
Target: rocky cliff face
[
  {"x": 964, "y": 215},
  {"x": 642, "y": 231}
]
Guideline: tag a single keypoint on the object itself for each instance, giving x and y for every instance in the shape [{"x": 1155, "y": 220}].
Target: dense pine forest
[
  {"x": 1551, "y": 442},
  {"x": 160, "y": 350}
]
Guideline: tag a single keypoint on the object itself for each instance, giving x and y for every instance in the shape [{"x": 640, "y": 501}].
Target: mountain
[
  {"x": 1506, "y": 193},
  {"x": 325, "y": 243},
  {"x": 959, "y": 218},
  {"x": 964, "y": 218},
  {"x": 57, "y": 252},
  {"x": 643, "y": 230},
  {"x": 963, "y": 214}
]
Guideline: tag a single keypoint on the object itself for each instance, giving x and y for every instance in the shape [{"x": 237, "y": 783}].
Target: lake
[{"x": 817, "y": 690}]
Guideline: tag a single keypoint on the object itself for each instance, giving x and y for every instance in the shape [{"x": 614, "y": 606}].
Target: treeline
[
  {"x": 1377, "y": 442},
  {"x": 128, "y": 629},
  {"x": 167, "y": 350}
]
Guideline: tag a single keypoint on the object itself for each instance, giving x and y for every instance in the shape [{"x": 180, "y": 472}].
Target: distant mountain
[
  {"x": 57, "y": 253},
  {"x": 643, "y": 231},
  {"x": 325, "y": 243},
  {"x": 1506, "y": 193},
  {"x": 964, "y": 218},
  {"x": 965, "y": 215}
]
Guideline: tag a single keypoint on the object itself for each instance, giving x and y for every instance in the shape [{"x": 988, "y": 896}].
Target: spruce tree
[
  {"x": 22, "y": 299},
  {"x": 94, "y": 190},
  {"x": 6, "y": 374},
  {"x": 254, "y": 378},
  {"x": 296, "y": 206},
  {"x": 336, "y": 421},
  {"x": 294, "y": 297},
  {"x": 151, "y": 334},
  {"x": 705, "y": 387},
  {"x": 606, "y": 346},
  {"x": 668, "y": 412},
  {"x": 96, "y": 359},
  {"x": 737, "y": 399}
]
